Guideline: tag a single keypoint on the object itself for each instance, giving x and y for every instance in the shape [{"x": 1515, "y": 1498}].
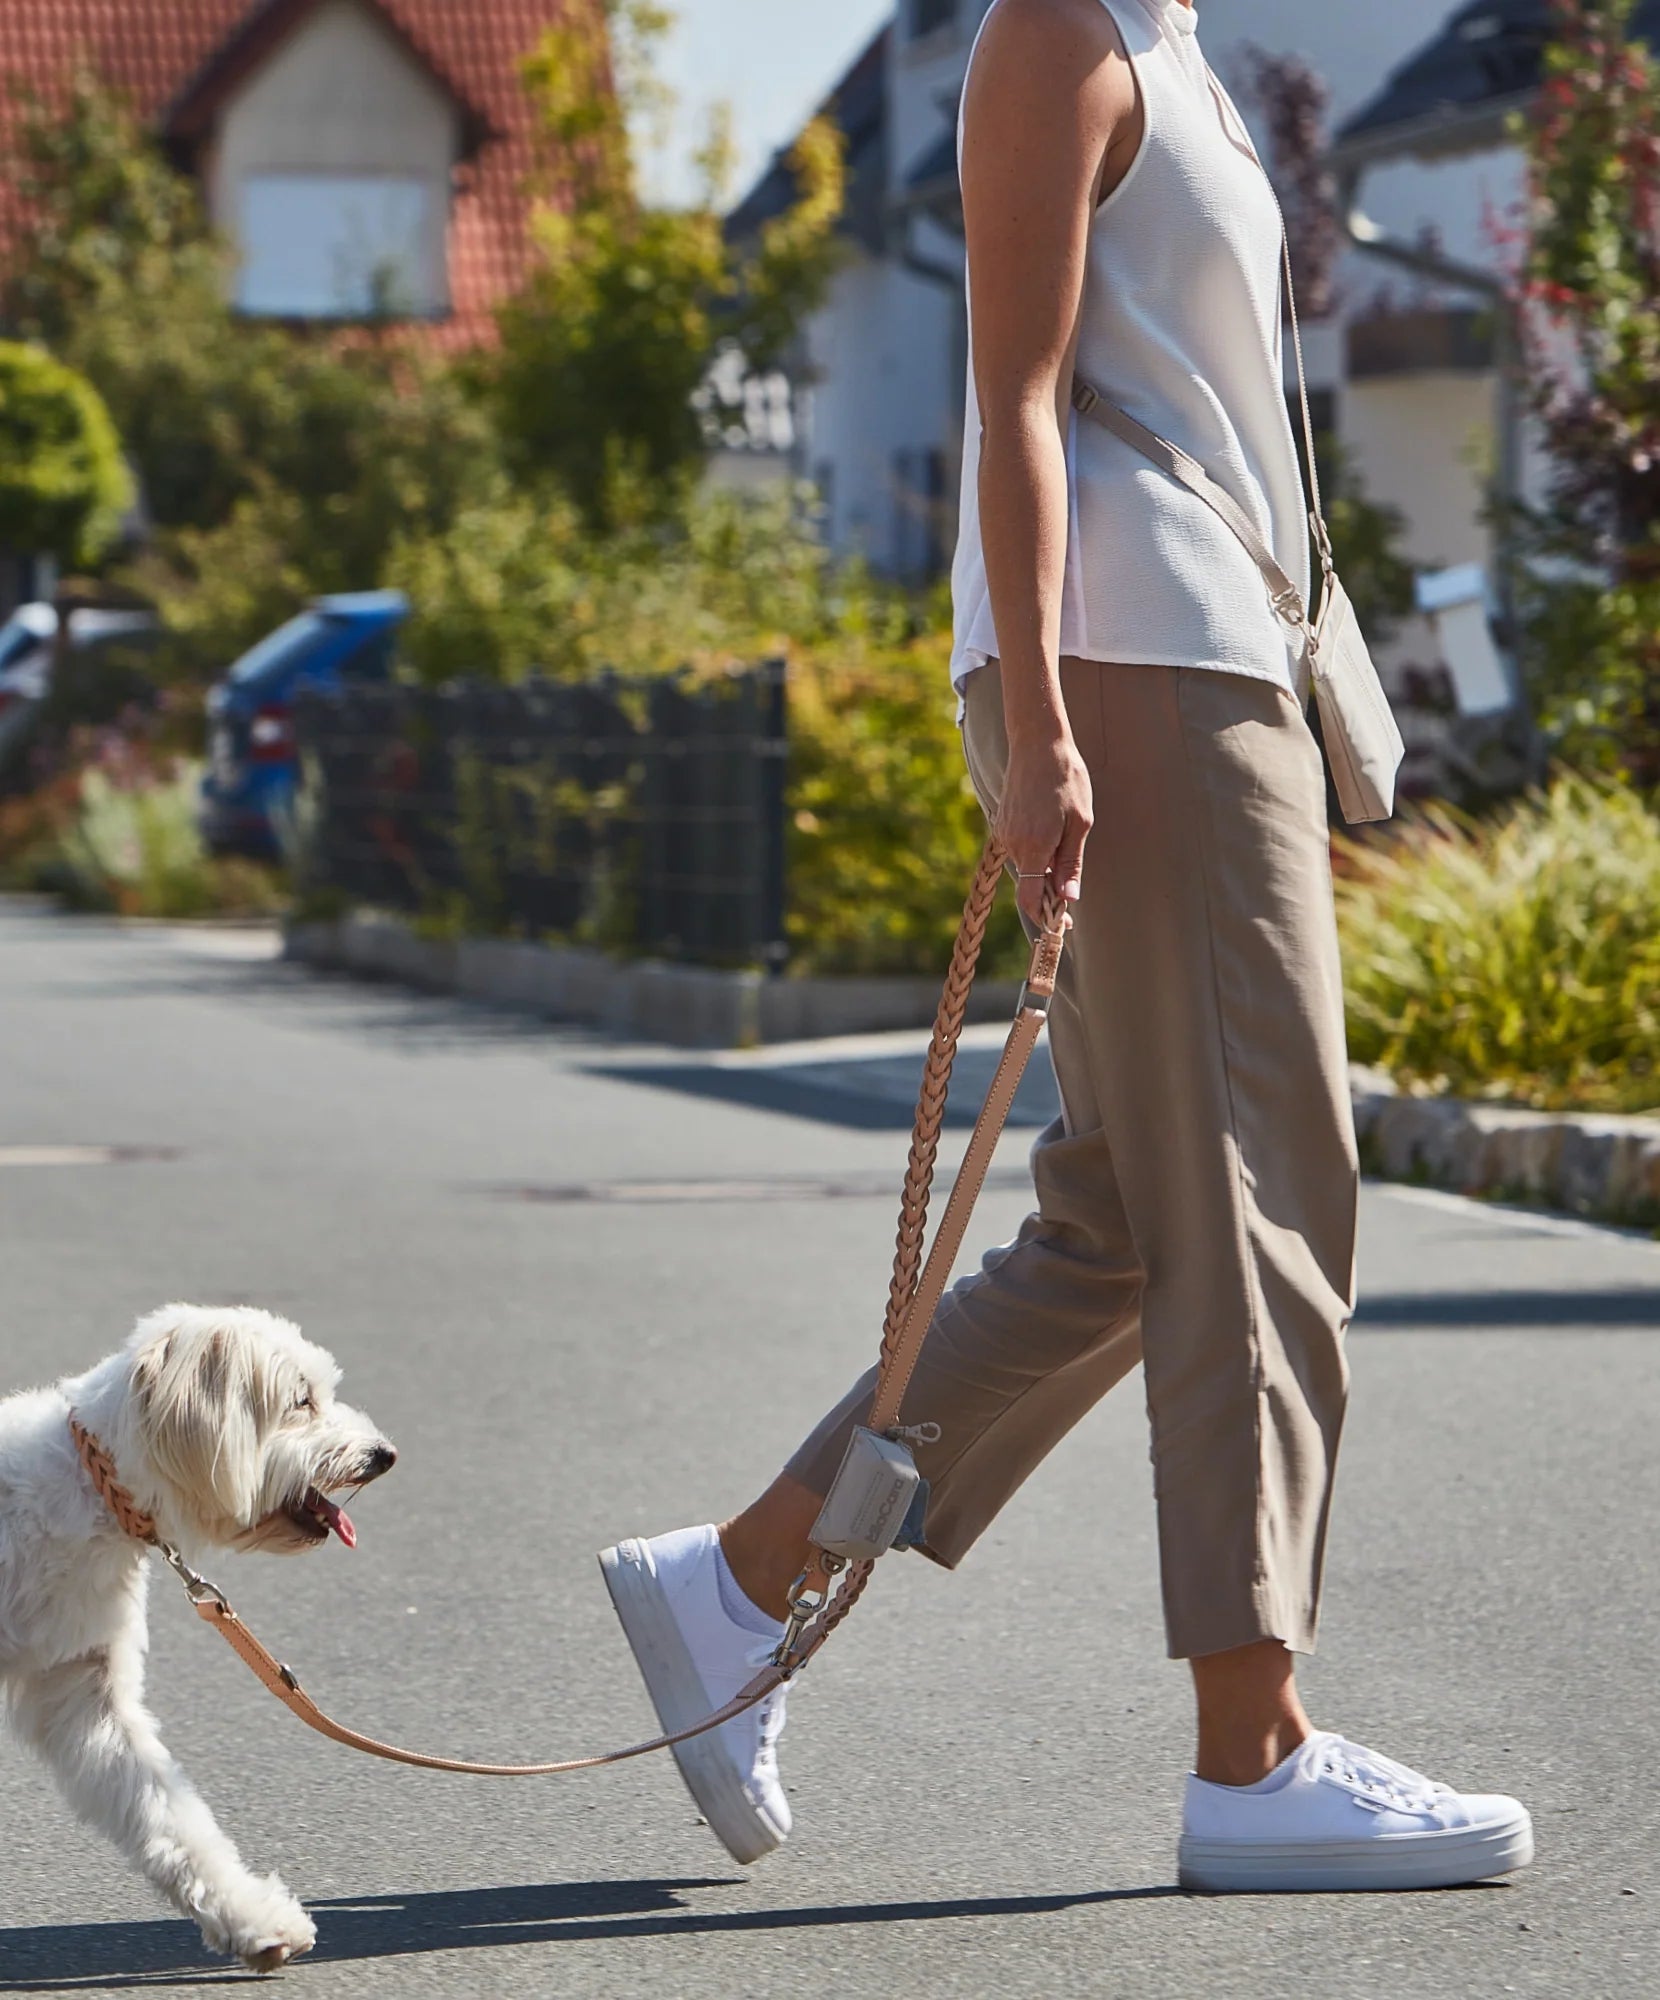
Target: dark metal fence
[{"x": 639, "y": 815}]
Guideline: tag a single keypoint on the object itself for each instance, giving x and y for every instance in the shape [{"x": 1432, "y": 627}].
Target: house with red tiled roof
[{"x": 363, "y": 157}]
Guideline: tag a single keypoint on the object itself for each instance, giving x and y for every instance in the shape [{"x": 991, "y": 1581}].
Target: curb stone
[
  {"x": 1588, "y": 1163},
  {"x": 1596, "y": 1165},
  {"x": 686, "y": 1006}
]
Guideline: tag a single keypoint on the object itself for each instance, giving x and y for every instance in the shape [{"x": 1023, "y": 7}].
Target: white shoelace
[
  {"x": 1371, "y": 1774},
  {"x": 771, "y": 1717}
]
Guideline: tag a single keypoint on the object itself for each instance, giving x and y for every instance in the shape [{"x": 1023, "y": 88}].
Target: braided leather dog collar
[{"x": 100, "y": 1469}]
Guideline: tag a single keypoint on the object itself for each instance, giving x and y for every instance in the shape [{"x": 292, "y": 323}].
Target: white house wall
[
  {"x": 1426, "y": 442},
  {"x": 881, "y": 355}
]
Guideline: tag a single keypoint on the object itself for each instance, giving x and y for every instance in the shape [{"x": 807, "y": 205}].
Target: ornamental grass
[{"x": 1516, "y": 957}]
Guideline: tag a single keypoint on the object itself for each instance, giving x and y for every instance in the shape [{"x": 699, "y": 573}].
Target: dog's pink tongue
[{"x": 340, "y": 1521}]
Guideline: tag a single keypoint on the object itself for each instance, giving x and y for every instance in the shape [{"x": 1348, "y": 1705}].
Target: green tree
[
  {"x": 604, "y": 351},
  {"x": 1590, "y": 301},
  {"x": 64, "y": 485}
]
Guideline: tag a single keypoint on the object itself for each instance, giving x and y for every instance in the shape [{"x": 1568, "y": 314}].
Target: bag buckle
[{"x": 1288, "y": 604}]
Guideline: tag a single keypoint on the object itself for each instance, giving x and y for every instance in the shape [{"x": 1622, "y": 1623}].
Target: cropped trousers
[{"x": 1196, "y": 1198}]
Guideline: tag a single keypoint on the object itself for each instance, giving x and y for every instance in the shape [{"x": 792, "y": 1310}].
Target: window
[
  {"x": 336, "y": 246},
  {"x": 928, "y": 16},
  {"x": 919, "y": 513}
]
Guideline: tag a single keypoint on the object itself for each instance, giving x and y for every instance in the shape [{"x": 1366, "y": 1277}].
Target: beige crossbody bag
[{"x": 1362, "y": 740}]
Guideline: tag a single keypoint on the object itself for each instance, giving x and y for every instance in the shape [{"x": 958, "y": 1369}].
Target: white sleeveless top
[{"x": 1180, "y": 325}]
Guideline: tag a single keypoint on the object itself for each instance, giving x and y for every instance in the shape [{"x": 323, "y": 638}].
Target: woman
[{"x": 1127, "y": 683}]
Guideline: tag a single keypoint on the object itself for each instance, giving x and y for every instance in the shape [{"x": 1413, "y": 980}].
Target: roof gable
[
  {"x": 189, "y": 115},
  {"x": 1454, "y": 93}
]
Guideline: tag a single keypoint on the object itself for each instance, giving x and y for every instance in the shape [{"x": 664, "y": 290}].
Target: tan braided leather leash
[{"x": 818, "y": 1602}]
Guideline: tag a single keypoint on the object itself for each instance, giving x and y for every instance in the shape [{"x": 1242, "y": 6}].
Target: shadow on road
[
  {"x": 795, "y": 1092},
  {"x": 869, "y": 1094},
  {"x": 59, "y": 1958},
  {"x": 1637, "y": 1309}
]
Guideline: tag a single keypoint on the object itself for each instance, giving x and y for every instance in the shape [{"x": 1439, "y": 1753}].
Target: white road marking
[
  {"x": 56, "y": 1156},
  {"x": 81, "y": 1156}
]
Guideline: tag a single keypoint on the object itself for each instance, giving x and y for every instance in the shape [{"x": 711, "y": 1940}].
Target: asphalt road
[{"x": 593, "y": 1289}]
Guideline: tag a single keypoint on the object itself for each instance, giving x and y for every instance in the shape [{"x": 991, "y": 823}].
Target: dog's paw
[
  {"x": 267, "y": 1954},
  {"x": 266, "y": 1932}
]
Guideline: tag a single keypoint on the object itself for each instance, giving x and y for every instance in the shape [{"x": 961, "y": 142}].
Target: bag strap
[
  {"x": 818, "y": 1604},
  {"x": 1317, "y": 512},
  {"x": 1089, "y": 402}
]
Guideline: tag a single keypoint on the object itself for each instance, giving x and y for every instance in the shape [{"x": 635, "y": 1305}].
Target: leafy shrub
[
  {"x": 885, "y": 828},
  {"x": 119, "y": 834},
  {"x": 606, "y": 351},
  {"x": 1589, "y": 298},
  {"x": 63, "y": 483},
  {"x": 522, "y": 586},
  {"x": 1516, "y": 958}
]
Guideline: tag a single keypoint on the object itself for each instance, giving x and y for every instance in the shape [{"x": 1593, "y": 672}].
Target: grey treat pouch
[{"x": 869, "y": 1498}]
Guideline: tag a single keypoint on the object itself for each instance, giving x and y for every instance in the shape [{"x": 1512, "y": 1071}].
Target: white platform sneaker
[
  {"x": 1337, "y": 1816},
  {"x": 694, "y": 1657}
]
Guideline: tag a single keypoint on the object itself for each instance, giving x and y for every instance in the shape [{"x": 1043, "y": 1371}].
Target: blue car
[{"x": 252, "y": 767}]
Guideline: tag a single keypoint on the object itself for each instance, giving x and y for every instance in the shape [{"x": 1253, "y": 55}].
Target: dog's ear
[{"x": 198, "y": 1416}]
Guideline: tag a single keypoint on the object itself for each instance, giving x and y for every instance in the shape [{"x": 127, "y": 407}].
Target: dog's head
[{"x": 245, "y": 1442}]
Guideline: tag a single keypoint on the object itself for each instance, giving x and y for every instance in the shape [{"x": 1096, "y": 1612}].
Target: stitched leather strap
[{"x": 280, "y": 1681}]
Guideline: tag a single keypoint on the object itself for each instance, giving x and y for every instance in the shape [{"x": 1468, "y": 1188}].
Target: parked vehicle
[
  {"x": 252, "y": 767},
  {"x": 29, "y": 653}
]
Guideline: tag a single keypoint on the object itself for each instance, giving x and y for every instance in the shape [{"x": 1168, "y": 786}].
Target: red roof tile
[{"x": 154, "y": 50}]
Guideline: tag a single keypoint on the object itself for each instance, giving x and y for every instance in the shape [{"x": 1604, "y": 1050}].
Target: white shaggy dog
[{"x": 224, "y": 1428}]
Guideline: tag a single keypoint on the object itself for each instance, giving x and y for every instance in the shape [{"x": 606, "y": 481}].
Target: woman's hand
[{"x": 1045, "y": 816}]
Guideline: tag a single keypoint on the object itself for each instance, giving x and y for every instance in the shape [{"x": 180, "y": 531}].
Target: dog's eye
[{"x": 305, "y": 1400}]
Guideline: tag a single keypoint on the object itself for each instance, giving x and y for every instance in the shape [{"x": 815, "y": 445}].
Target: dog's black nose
[{"x": 381, "y": 1459}]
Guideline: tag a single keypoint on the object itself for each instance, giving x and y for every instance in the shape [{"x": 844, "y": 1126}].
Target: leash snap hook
[
  {"x": 806, "y": 1601},
  {"x": 198, "y": 1588}
]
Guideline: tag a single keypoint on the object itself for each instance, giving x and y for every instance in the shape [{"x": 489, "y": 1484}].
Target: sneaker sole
[
  {"x": 1440, "y": 1860},
  {"x": 677, "y": 1693}
]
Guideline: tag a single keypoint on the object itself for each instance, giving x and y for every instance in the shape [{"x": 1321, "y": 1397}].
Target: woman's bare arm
[{"x": 1051, "y": 110}]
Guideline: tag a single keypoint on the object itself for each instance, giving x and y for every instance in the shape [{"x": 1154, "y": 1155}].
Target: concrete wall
[{"x": 343, "y": 96}]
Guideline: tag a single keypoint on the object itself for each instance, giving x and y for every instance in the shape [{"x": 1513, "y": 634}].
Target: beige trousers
[{"x": 1196, "y": 1198}]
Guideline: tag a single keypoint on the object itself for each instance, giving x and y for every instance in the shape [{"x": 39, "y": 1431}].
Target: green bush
[
  {"x": 521, "y": 586},
  {"x": 1518, "y": 958},
  {"x": 63, "y": 483},
  {"x": 885, "y": 829},
  {"x": 130, "y": 845}
]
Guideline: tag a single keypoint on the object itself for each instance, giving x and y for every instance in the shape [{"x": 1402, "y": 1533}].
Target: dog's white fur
[{"x": 219, "y": 1419}]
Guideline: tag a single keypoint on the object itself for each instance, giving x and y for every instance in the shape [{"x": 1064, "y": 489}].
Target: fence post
[{"x": 774, "y": 750}]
